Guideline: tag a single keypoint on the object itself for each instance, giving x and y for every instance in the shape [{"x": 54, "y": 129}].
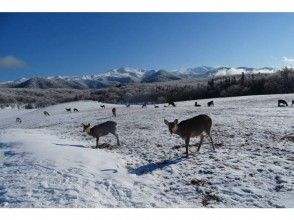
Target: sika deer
[
  {"x": 114, "y": 112},
  {"x": 100, "y": 130},
  {"x": 192, "y": 127},
  {"x": 46, "y": 113}
]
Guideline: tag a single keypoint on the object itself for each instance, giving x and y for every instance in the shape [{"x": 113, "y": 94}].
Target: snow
[{"x": 49, "y": 162}]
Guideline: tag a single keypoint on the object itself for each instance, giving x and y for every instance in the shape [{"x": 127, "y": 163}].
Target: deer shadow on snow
[{"x": 149, "y": 168}]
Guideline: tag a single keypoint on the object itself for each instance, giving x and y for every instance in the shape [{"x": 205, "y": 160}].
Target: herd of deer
[{"x": 186, "y": 129}]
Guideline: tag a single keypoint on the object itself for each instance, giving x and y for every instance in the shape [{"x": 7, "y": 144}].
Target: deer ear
[
  {"x": 176, "y": 121},
  {"x": 165, "y": 122}
]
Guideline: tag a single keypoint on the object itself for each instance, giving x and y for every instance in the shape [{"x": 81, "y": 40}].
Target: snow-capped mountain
[{"x": 127, "y": 75}]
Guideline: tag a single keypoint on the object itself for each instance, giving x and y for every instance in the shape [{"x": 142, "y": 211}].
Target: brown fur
[
  {"x": 101, "y": 130},
  {"x": 192, "y": 127}
]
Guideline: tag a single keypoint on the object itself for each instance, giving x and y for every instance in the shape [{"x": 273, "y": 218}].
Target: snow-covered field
[{"x": 49, "y": 162}]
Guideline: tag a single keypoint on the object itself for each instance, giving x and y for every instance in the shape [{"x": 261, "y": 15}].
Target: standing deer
[
  {"x": 282, "y": 103},
  {"x": 46, "y": 113},
  {"x": 18, "y": 120},
  {"x": 101, "y": 130},
  {"x": 114, "y": 112},
  {"x": 192, "y": 127},
  {"x": 102, "y": 106},
  {"x": 172, "y": 104},
  {"x": 68, "y": 109},
  {"x": 197, "y": 105},
  {"x": 211, "y": 103},
  {"x": 76, "y": 110}
]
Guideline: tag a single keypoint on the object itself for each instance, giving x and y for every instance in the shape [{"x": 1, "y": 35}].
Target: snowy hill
[
  {"x": 127, "y": 75},
  {"x": 49, "y": 162}
]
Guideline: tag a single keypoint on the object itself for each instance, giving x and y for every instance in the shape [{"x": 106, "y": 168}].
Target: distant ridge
[{"x": 127, "y": 75}]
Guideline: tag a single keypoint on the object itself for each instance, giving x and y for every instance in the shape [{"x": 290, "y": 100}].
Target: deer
[
  {"x": 282, "y": 103},
  {"x": 76, "y": 110},
  {"x": 144, "y": 105},
  {"x": 292, "y": 102},
  {"x": 197, "y": 105},
  {"x": 114, "y": 112},
  {"x": 101, "y": 130},
  {"x": 156, "y": 106},
  {"x": 172, "y": 104},
  {"x": 18, "y": 120},
  {"x": 68, "y": 109},
  {"x": 46, "y": 113},
  {"x": 211, "y": 103},
  {"x": 102, "y": 106},
  {"x": 192, "y": 127}
]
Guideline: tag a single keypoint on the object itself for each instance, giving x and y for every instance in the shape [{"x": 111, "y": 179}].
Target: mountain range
[{"x": 127, "y": 75}]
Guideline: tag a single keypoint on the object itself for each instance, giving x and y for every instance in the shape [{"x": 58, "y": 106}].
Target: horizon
[{"x": 74, "y": 44}]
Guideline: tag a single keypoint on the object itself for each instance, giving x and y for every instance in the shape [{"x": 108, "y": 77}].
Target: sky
[{"x": 50, "y": 44}]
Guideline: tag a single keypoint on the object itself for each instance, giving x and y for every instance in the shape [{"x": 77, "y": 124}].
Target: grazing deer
[
  {"x": 128, "y": 105},
  {"x": 18, "y": 120},
  {"x": 100, "y": 130},
  {"x": 282, "y": 103},
  {"x": 209, "y": 104},
  {"x": 192, "y": 127},
  {"x": 76, "y": 110},
  {"x": 114, "y": 112},
  {"x": 102, "y": 106},
  {"x": 68, "y": 109},
  {"x": 46, "y": 113},
  {"x": 197, "y": 105},
  {"x": 144, "y": 105},
  {"x": 156, "y": 106},
  {"x": 172, "y": 104}
]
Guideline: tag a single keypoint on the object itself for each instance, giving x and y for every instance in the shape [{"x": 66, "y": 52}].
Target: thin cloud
[
  {"x": 289, "y": 62},
  {"x": 11, "y": 62}
]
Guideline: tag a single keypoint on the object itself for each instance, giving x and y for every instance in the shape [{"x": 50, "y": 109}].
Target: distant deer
[
  {"x": 68, "y": 109},
  {"x": 211, "y": 103},
  {"x": 156, "y": 106},
  {"x": 292, "y": 102},
  {"x": 128, "y": 105},
  {"x": 114, "y": 112},
  {"x": 46, "y": 113},
  {"x": 192, "y": 127},
  {"x": 172, "y": 104},
  {"x": 18, "y": 120},
  {"x": 144, "y": 105},
  {"x": 282, "y": 103},
  {"x": 102, "y": 106},
  {"x": 197, "y": 105},
  {"x": 101, "y": 130},
  {"x": 76, "y": 110}
]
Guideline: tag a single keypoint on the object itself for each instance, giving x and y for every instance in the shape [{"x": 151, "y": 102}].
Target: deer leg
[
  {"x": 211, "y": 142},
  {"x": 97, "y": 140},
  {"x": 201, "y": 139},
  {"x": 117, "y": 139},
  {"x": 187, "y": 146}
]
